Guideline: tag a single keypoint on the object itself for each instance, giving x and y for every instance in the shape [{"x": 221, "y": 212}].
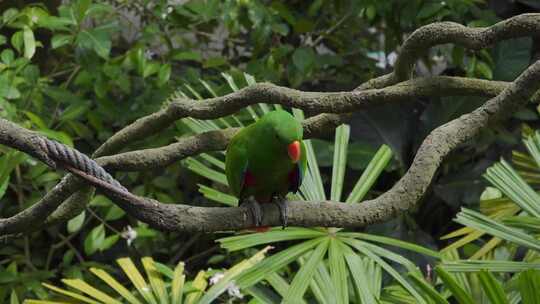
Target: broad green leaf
[
  {"x": 29, "y": 42},
  {"x": 76, "y": 223},
  {"x": 150, "y": 68},
  {"x": 304, "y": 59},
  {"x": 60, "y": 40},
  {"x": 164, "y": 74},
  {"x": 7, "y": 56},
  {"x": 35, "y": 119},
  {"x": 94, "y": 240},
  {"x": 96, "y": 40},
  {"x": 17, "y": 41},
  {"x": 511, "y": 57}
]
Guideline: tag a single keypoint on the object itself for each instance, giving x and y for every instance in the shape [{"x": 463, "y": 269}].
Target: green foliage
[
  {"x": 154, "y": 289},
  {"x": 78, "y": 72},
  {"x": 320, "y": 246}
]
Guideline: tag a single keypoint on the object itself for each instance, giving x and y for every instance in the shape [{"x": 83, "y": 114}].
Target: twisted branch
[
  {"x": 403, "y": 195},
  {"x": 475, "y": 38}
]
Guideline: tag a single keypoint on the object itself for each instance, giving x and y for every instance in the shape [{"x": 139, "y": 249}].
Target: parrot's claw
[
  {"x": 254, "y": 208},
  {"x": 283, "y": 209}
]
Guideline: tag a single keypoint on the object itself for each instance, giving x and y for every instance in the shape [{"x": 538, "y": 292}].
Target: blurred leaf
[
  {"x": 188, "y": 55},
  {"x": 29, "y": 43},
  {"x": 511, "y": 57},
  {"x": 60, "y": 40},
  {"x": 214, "y": 62},
  {"x": 94, "y": 240},
  {"x": 17, "y": 41},
  {"x": 164, "y": 74},
  {"x": 76, "y": 223},
  {"x": 74, "y": 111},
  {"x": 304, "y": 59}
]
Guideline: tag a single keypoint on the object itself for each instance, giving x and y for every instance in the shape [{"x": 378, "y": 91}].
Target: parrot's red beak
[{"x": 294, "y": 151}]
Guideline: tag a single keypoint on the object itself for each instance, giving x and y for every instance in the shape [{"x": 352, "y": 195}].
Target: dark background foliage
[{"x": 79, "y": 71}]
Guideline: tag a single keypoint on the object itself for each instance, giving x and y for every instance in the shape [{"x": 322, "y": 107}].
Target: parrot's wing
[
  {"x": 236, "y": 164},
  {"x": 297, "y": 174}
]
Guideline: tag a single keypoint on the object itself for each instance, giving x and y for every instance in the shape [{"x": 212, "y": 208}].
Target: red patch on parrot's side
[
  {"x": 261, "y": 228},
  {"x": 294, "y": 179},
  {"x": 249, "y": 179}
]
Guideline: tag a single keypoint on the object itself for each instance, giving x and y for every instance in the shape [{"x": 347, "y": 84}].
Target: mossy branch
[{"x": 509, "y": 96}]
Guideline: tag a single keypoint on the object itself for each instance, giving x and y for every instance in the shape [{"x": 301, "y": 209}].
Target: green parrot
[{"x": 265, "y": 161}]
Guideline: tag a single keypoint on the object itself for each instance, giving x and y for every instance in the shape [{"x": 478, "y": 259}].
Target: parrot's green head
[{"x": 285, "y": 132}]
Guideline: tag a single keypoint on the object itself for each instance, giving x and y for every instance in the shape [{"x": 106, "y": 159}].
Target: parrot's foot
[
  {"x": 283, "y": 208},
  {"x": 254, "y": 208}
]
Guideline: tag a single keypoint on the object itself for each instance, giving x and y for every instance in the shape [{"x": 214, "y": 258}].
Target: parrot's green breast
[{"x": 257, "y": 161}]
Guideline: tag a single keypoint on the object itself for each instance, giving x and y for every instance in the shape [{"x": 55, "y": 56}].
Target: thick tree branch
[
  {"x": 414, "y": 182},
  {"x": 439, "y": 33},
  {"x": 184, "y": 217},
  {"x": 217, "y": 140},
  {"x": 401, "y": 197},
  {"x": 522, "y": 25},
  {"x": 157, "y": 157}
]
